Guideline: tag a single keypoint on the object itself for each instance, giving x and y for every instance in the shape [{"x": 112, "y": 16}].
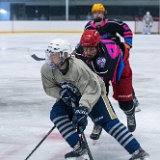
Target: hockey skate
[
  {"x": 136, "y": 104},
  {"x": 131, "y": 122},
  {"x": 96, "y": 132},
  {"x": 140, "y": 154},
  {"x": 79, "y": 153}
]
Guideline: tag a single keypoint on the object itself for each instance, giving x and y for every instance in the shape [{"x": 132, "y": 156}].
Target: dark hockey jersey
[
  {"x": 109, "y": 29},
  {"x": 108, "y": 63}
]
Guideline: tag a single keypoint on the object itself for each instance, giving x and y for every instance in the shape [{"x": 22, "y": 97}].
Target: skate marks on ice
[{"x": 25, "y": 108}]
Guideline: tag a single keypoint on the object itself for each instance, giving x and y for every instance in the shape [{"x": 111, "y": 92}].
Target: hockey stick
[
  {"x": 34, "y": 56},
  {"x": 41, "y": 142},
  {"x": 86, "y": 143},
  {"x": 88, "y": 149}
]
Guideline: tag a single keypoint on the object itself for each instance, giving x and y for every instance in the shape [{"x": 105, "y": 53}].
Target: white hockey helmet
[{"x": 60, "y": 46}]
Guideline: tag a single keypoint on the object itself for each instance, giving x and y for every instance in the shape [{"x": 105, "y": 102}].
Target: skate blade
[
  {"x": 137, "y": 109},
  {"x": 83, "y": 157}
]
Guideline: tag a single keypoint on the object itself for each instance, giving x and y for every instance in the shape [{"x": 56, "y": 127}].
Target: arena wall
[{"x": 46, "y": 26}]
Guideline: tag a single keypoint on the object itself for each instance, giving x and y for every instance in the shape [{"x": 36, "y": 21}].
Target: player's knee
[
  {"x": 111, "y": 125},
  {"x": 53, "y": 114},
  {"x": 57, "y": 111}
]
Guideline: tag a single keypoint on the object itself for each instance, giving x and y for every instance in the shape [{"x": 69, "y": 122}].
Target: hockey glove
[
  {"x": 79, "y": 119},
  {"x": 68, "y": 97}
]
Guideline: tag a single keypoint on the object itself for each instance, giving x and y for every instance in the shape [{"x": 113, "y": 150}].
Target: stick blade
[
  {"x": 34, "y": 56},
  {"x": 37, "y": 58}
]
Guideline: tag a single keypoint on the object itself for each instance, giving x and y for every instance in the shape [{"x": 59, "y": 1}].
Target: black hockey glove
[
  {"x": 69, "y": 97},
  {"x": 79, "y": 119}
]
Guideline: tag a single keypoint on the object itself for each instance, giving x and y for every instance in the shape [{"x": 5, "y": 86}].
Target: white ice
[{"x": 25, "y": 108}]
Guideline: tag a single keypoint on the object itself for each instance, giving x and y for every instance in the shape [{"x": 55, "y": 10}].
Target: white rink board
[
  {"x": 25, "y": 108},
  {"x": 46, "y": 26}
]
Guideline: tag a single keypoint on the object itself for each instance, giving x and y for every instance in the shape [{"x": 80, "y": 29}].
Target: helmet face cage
[
  {"x": 58, "y": 46},
  {"x": 48, "y": 60}
]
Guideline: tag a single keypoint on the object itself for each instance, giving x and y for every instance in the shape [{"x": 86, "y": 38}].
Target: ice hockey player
[
  {"x": 80, "y": 93},
  {"x": 108, "y": 29},
  {"x": 106, "y": 59},
  {"x": 148, "y": 23}
]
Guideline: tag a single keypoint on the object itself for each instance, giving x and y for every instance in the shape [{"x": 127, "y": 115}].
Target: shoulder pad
[
  {"x": 118, "y": 21},
  {"x": 86, "y": 26}
]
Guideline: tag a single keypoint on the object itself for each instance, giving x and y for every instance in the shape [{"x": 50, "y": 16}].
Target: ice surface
[{"x": 25, "y": 108}]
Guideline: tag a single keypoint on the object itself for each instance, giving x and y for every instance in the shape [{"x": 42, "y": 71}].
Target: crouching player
[{"x": 80, "y": 93}]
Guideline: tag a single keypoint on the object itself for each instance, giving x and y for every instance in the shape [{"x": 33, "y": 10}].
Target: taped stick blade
[{"x": 29, "y": 51}]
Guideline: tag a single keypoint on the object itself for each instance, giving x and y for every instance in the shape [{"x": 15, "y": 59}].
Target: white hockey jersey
[{"x": 79, "y": 75}]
